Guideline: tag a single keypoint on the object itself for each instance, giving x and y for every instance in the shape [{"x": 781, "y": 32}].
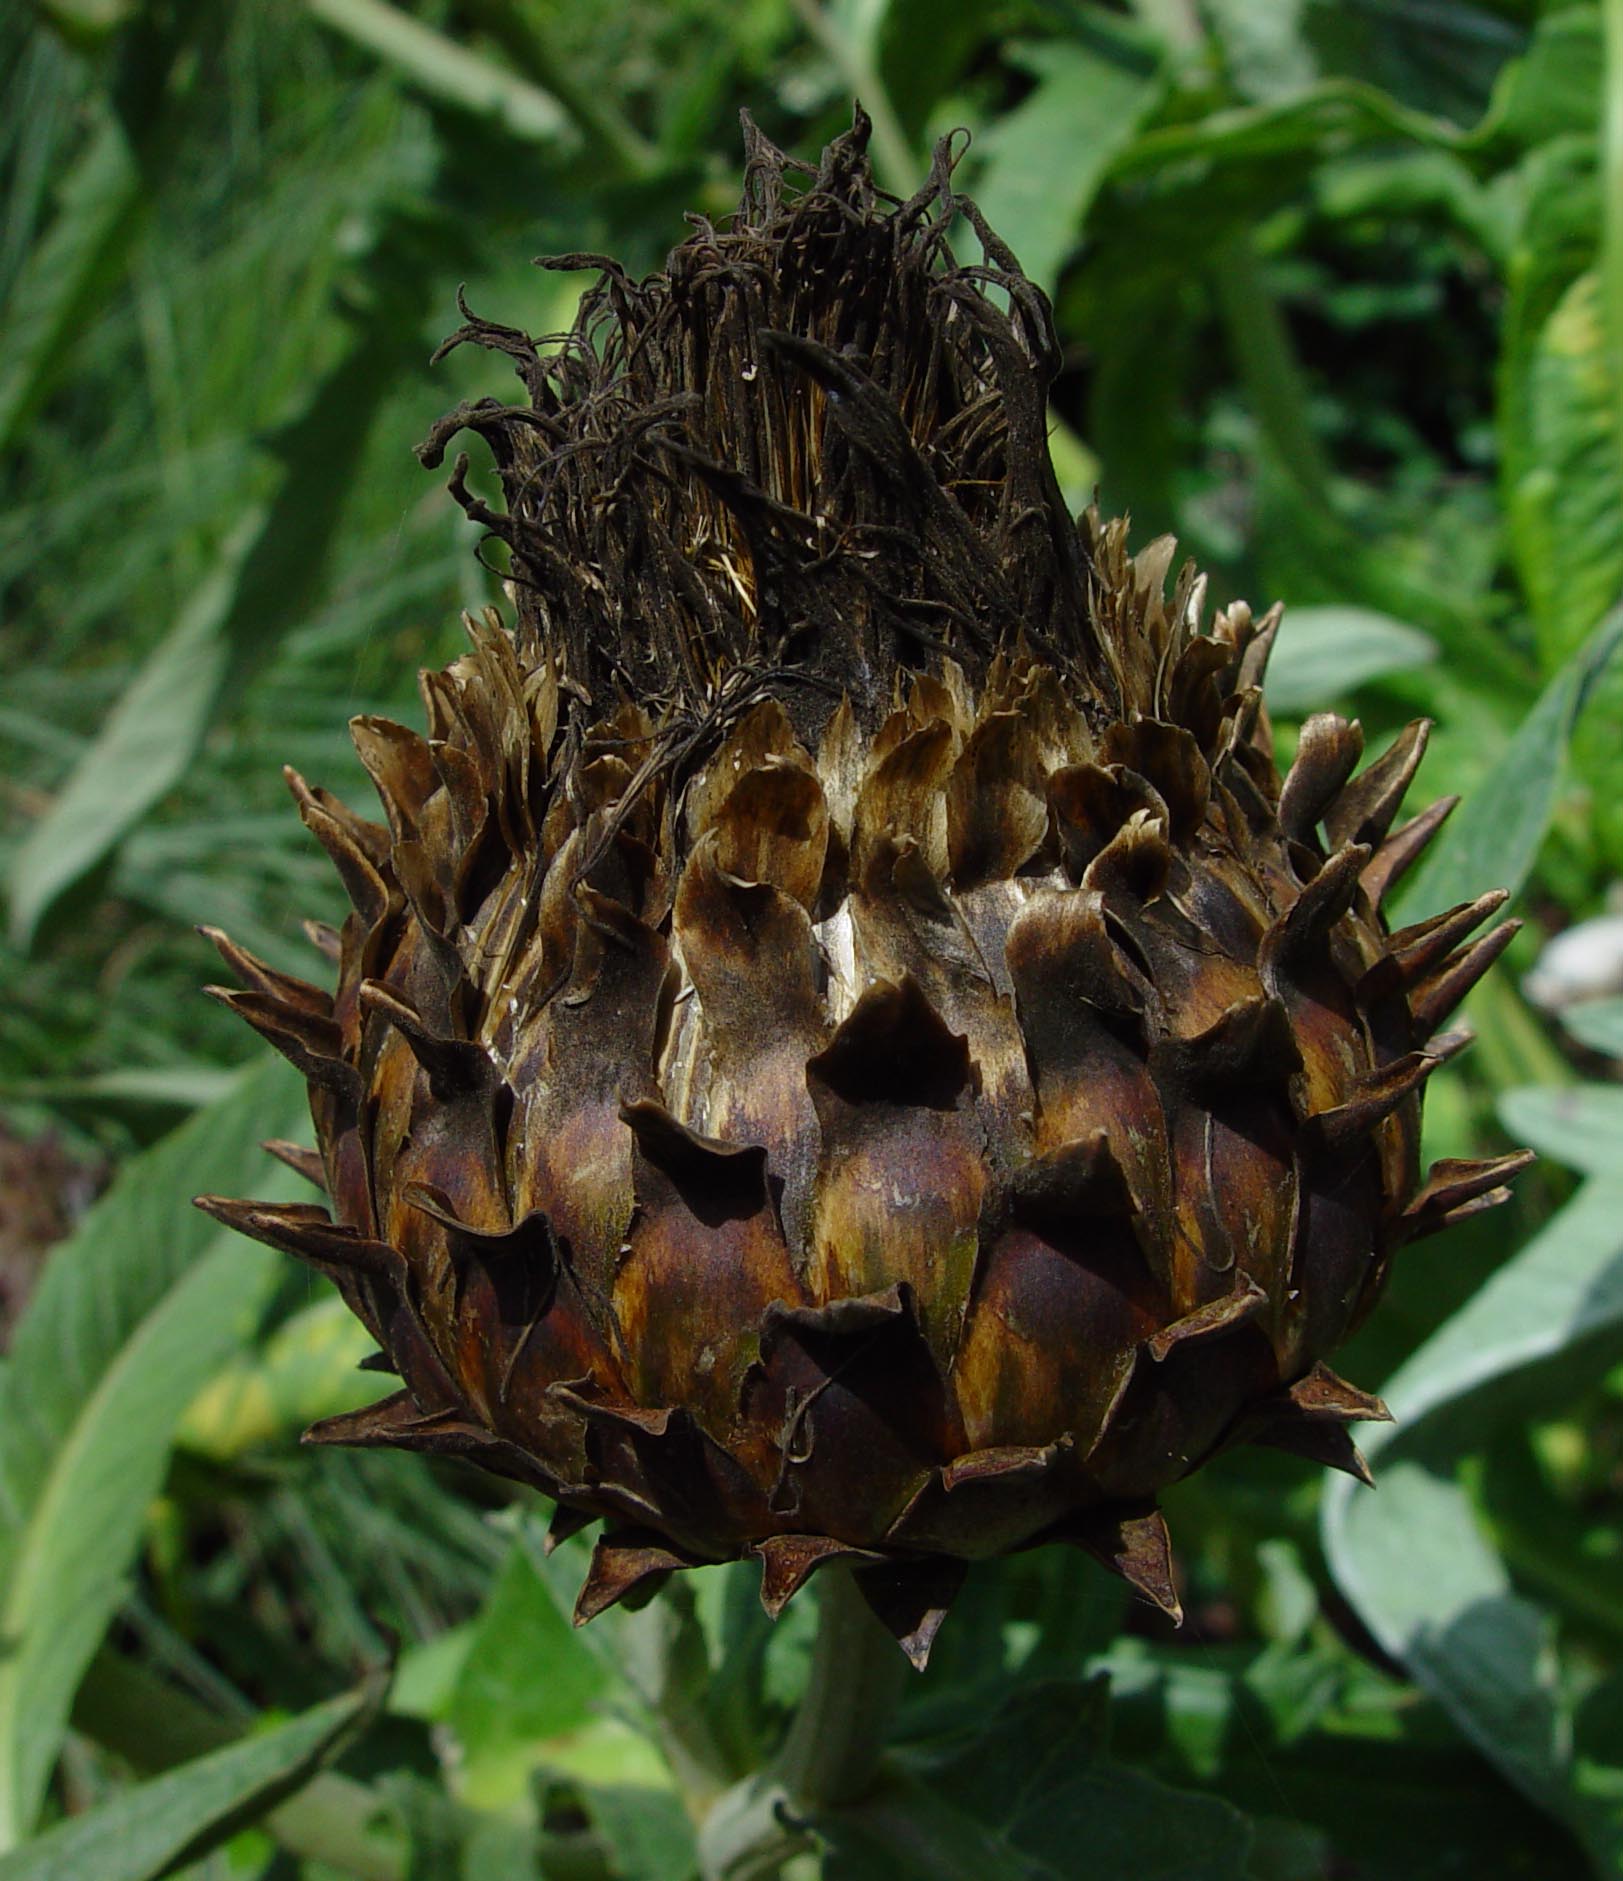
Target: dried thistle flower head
[{"x": 846, "y": 1049}]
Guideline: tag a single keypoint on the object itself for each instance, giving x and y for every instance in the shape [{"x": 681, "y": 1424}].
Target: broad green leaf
[
  {"x": 141, "y": 751},
  {"x": 527, "y": 1677},
  {"x": 648, "y": 1831},
  {"x": 1555, "y": 86},
  {"x": 1597, "y": 1024},
  {"x": 1321, "y": 1734},
  {"x": 1493, "y": 839},
  {"x": 1580, "y": 1126},
  {"x": 1323, "y": 653},
  {"x": 1264, "y": 49},
  {"x": 309, "y": 1368},
  {"x": 1414, "y": 1560},
  {"x": 141, "y": 1833},
  {"x": 1042, "y": 163},
  {"x": 132, "y": 1315},
  {"x": 1025, "y": 1798}
]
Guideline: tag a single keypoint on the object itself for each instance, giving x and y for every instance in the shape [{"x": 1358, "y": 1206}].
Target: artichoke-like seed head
[{"x": 845, "y": 1047}]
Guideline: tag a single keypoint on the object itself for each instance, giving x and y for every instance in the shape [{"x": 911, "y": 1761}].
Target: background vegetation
[{"x": 1341, "y": 286}]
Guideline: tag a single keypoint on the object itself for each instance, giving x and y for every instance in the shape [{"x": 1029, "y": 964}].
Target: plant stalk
[
  {"x": 831, "y": 1755},
  {"x": 857, "y": 1673}
]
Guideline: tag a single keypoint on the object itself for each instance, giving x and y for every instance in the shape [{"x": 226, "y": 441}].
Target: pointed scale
[{"x": 1404, "y": 848}]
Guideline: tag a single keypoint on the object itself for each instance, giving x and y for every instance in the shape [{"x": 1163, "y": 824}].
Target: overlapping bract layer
[{"x": 845, "y": 1047}]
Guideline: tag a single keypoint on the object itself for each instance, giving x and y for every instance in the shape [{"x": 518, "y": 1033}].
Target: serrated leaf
[
  {"x": 141, "y": 1834},
  {"x": 527, "y": 1676},
  {"x": 1042, "y": 163},
  {"x": 132, "y": 1315},
  {"x": 1493, "y": 840},
  {"x": 1323, "y": 653},
  {"x": 1025, "y": 1797}
]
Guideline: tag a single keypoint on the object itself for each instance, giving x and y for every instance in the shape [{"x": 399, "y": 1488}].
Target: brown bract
[{"x": 845, "y": 1048}]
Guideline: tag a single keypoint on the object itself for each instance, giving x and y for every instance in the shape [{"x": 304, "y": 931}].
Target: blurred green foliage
[{"x": 1340, "y": 284}]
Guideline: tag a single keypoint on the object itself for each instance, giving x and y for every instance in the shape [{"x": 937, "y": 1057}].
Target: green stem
[
  {"x": 831, "y": 1755},
  {"x": 1611, "y": 167},
  {"x": 894, "y": 155},
  {"x": 857, "y": 1673}
]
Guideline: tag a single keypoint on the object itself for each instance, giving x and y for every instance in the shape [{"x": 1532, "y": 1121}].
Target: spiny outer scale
[{"x": 846, "y": 1051}]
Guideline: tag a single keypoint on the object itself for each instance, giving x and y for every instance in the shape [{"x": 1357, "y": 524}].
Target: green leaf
[
  {"x": 446, "y": 70},
  {"x": 1564, "y": 470},
  {"x": 1264, "y": 48},
  {"x": 265, "y": 575},
  {"x": 1580, "y": 1125},
  {"x": 1597, "y": 1023},
  {"x": 1415, "y": 1561},
  {"x": 97, "y": 215},
  {"x": 144, "y": 1832},
  {"x": 1493, "y": 840},
  {"x": 1555, "y": 87},
  {"x": 133, "y": 1314},
  {"x": 649, "y": 1832},
  {"x": 1339, "y": 114},
  {"x": 1042, "y": 164},
  {"x": 527, "y": 1677},
  {"x": 1023, "y": 1799},
  {"x": 160, "y": 1087},
  {"x": 1323, "y": 653},
  {"x": 141, "y": 751},
  {"x": 922, "y": 47}
]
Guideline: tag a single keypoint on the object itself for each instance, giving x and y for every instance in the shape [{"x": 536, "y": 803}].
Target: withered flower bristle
[
  {"x": 846, "y": 1049},
  {"x": 812, "y": 449}
]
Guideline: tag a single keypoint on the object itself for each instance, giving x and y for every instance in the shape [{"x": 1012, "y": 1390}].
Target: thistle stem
[
  {"x": 857, "y": 1674},
  {"x": 831, "y": 1755}
]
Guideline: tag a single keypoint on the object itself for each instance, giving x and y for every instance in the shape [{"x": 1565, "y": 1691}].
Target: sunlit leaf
[
  {"x": 1041, "y": 164},
  {"x": 1324, "y": 653},
  {"x": 131, "y": 1316},
  {"x": 139, "y": 1834},
  {"x": 1493, "y": 840},
  {"x": 1414, "y": 1560}
]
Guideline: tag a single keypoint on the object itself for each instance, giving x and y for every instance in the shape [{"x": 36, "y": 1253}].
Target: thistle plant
[{"x": 846, "y": 1051}]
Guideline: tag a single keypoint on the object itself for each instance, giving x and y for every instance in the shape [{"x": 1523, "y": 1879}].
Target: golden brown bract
[{"x": 845, "y": 1047}]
